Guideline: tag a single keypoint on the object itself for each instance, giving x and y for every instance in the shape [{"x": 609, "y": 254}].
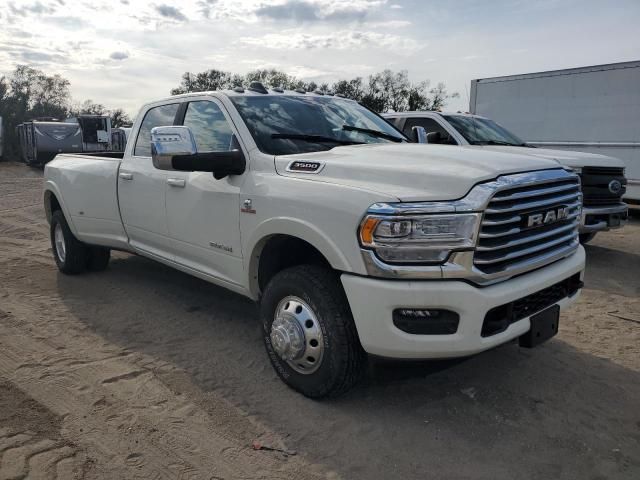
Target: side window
[
  {"x": 156, "y": 117},
  {"x": 211, "y": 130},
  {"x": 395, "y": 121},
  {"x": 430, "y": 125}
]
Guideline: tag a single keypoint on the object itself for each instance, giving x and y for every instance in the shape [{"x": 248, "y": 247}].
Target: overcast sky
[{"x": 124, "y": 53}]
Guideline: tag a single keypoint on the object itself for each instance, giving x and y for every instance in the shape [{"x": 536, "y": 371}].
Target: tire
[
  {"x": 317, "y": 292},
  {"x": 98, "y": 259},
  {"x": 70, "y": 254},
  {"x": 586, "y": 237}
]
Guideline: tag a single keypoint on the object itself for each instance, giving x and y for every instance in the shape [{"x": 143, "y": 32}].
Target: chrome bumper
[{"x": 597, "y": 219}]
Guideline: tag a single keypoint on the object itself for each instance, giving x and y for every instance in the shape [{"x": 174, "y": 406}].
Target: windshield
[
  {"x": 284, "y": 125},
  {"x": 482, "y": 131}
]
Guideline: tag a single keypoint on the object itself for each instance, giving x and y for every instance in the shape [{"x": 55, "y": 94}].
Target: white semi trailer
[{"x": 592, "y": 109}]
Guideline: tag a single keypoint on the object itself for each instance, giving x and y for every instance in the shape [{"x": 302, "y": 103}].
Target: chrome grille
[{"x": 508, "y": 245}]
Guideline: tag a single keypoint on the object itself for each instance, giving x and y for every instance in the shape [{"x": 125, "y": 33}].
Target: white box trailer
[{"x": 592, "y": 109}]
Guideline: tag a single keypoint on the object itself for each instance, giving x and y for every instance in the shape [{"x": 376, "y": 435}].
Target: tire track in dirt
[
  {"x": 106, "y": 401},
  {"x": 114, "y": 407}
]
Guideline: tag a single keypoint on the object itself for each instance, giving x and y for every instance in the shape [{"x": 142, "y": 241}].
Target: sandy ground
[{"x": 145, "y": 372}]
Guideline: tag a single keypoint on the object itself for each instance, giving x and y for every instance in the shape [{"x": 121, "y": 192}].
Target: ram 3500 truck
[
  {"x": 352, "y": 239},
  {"x": 603, "y": 178}
]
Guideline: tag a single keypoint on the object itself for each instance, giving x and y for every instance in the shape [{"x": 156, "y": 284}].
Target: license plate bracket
[{"x": 544, "y": 325}]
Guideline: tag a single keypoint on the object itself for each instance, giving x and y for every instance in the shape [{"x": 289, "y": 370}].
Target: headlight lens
[{"x": 420, "y": 238}]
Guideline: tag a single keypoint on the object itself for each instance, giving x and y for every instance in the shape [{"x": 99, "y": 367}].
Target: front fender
[{"x": 294, "y": 227}]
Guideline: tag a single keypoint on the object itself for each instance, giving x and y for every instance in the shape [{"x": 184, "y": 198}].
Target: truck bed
[{"x": 90, "y": 201}]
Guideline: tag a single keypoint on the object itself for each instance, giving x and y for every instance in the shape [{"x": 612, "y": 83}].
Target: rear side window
[
  {"x": 210, "y": 129},
  {"x": 156, "y": 117},
  {"x": 430, "y": 125}
]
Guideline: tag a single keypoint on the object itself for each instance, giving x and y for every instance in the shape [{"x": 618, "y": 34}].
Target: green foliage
[{"x": 382, "y": 92}]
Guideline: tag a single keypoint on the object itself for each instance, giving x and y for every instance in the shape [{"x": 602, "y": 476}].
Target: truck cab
[{"x": 603, "y": 179}]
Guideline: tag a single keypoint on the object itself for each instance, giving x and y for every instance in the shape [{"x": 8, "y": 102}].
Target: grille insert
[
  {"x": 507, "y": 241},
  {"x": 595, "y": 185}
]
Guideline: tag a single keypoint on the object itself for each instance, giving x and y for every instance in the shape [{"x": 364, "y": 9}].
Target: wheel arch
[
  {"x": 281, "y": 243},
  {"x": 53, "y": 201}
]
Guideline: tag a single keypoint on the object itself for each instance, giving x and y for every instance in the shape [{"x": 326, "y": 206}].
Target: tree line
[
  {"x": 382, "y": 92},
  {"x": 28, "y": 93}
]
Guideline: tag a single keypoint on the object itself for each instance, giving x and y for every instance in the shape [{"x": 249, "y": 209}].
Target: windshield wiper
[
  {"x": 313, "y": 138},
  {"x": 375, "y": 133}
]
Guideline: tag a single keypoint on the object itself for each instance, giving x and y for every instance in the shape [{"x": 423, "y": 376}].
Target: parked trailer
[
  {"x": 96, "y": 132},
  {"x": 591, "y": 109},
  {"x": 1, "y": 138},
  {"x": 41, "y": 141},
  {"x": 118, "y": 139}
]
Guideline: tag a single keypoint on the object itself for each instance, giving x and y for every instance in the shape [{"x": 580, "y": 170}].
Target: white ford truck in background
[
  {"x": 352, "y": 239},
  {"x": 603, "y": 178}
]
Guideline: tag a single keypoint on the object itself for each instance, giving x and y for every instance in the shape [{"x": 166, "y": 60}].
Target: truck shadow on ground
[
  {"x": 577, "y": 412},
  {"x": 599, "y": 275}
]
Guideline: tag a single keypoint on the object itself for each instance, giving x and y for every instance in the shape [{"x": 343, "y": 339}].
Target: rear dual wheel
[
  {"x": 71, "y": 255},
  {"x": 309, "y": 333}
]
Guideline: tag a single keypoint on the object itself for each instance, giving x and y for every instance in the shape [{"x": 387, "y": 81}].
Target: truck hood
[
  {"x": 565, "y": 157},
  {"x": 409, "y": 171}
]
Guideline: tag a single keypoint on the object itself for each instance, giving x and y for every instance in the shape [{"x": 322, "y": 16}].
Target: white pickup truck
[
  {"x": 603, "y": 179},
  {"x": 352, "y": 239}
]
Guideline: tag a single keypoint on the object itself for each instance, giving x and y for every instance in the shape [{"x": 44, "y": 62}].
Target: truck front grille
[
  {"x": 529, "y": 225},
  {"x": 596, "y": 183}
]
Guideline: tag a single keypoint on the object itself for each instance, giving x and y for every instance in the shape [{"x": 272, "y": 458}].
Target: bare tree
[{"x": 119, "y": 118}]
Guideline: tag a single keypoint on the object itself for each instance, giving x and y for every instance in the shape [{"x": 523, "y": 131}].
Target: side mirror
[
  {"x": 174, "y": 148},
  {"x": 419, "y": 134},
  {"x": 434, "y": 137},
  {"x": 168, "y": 142}
]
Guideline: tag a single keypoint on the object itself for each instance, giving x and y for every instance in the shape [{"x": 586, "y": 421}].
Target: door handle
[
  {"x": 176, "y": 182},
  {"x": 126, "y": 175}
]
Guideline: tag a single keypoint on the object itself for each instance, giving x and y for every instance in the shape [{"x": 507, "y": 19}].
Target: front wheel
[{"x": 309, "y": 332}]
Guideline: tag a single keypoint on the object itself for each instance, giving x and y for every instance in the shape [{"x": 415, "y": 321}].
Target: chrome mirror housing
[{"x": 170, "y": 141}]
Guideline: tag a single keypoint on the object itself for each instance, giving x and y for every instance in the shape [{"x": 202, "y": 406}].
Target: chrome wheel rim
[
  {"x": 296, "y": 336},
  {"x": 58, "y": 240}
]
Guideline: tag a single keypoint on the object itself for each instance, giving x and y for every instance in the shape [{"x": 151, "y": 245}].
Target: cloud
[
  {"x": 36, "y": 7},
  {"x": 171, "y": 12},
  {"x": 389, "y": 24},
  {"x": 315, "y": 11},
  {"x": 66, "y": 22},
  {"x": 119, "y": 55},
  {"x": 339, "y": 40},
  {"x": 205, "y": 7}
]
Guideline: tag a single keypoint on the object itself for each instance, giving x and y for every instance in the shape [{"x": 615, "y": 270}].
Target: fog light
[{"x": 426, "y": 321}]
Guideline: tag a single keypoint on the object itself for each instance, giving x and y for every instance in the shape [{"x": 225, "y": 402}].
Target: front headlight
[{"x": 420, "y": 238}]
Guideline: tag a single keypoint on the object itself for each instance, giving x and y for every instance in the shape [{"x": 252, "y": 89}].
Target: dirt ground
[{"x": 145, "y": 372}]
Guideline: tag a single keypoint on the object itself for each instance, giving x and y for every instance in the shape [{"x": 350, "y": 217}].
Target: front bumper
[
  {"x": 373, "y": 301},
  {"x": 597, "y": 219}
]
